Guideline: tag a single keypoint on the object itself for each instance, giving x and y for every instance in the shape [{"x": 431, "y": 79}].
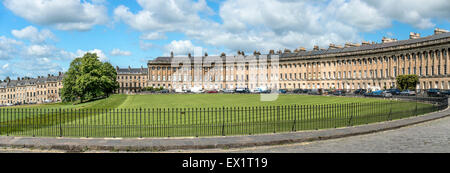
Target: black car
[
  {"x": 394, "y": 91},
  {"x": 242, "y": 90},
  {"x": 433, "y": 92},
  {"x": 339, "y": 92},
  {"x": 360, "y": 91},
  {"x": 297, "y": 91},
  {"x": 445, "y": 92}
]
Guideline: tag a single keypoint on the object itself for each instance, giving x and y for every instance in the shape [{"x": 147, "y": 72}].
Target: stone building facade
[
  {"x": 31, "y": 90},
  {"x": 350, "y": 67},
  {"x": 131, "y": 80}
]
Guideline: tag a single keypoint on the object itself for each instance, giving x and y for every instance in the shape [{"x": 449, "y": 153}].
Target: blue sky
[{"x": 38, "y": 37}]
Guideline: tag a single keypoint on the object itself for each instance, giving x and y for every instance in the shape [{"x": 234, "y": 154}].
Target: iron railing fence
[{"x": 178, "y": 122}]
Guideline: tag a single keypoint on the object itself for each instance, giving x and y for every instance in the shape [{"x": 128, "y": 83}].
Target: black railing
[{"x": 173, "y": 122}]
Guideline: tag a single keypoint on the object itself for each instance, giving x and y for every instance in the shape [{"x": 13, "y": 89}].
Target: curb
[{"x": 163, "y": 144}]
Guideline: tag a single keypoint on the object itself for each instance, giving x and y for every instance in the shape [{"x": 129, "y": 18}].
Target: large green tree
[
  {"x": 407, "y": 82},
  {"x": 88, "y": 78}
]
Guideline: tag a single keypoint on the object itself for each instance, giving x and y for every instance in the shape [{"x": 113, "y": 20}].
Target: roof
[
  {"x": 132, "y": 70},
  {"x": 31, "y": 81},
  {"x": 343, "y": 50}
]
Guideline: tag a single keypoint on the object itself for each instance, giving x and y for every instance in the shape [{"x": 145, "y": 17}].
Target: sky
[{"x": 40, "y": 37}]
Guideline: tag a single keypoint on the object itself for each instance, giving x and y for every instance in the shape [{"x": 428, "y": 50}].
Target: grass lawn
[
  {"x": 199, "y": 115},
  {"x": 198, "y": 101}
]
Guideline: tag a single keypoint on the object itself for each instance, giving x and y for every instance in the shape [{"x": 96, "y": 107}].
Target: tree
[
  {"x": 407, "y": 82},
  {"x": 88, "y": 78}
]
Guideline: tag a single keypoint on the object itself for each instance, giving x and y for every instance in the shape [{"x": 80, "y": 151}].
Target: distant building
[
  {"x": 131, "y": 80},
  {"x": 350, "y": 67},
  {"x": 31, "y": 90}
]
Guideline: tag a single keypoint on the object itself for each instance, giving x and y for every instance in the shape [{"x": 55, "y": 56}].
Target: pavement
[{"x": 382, "y": 138}]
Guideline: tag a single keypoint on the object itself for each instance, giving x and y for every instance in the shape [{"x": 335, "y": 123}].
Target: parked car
[
  {"x": 242, "y": 90},
  {"x": 164, "y": 91},
  {"x": 297, "y": 91},
  {"x": 360, "y": 91},
  {"x": 445, "y": 92},
  {"x": 339, "y": 92},
  {"x": 228, "y": 91},
  {"x": 266, "y": 91},
  {"x": 213, "y": 91},
  {"x": 433, "y": 92},
  {"x": 282, "y": 91},
  {"x": 315, "y": 92},
  {"x": 407, "y": 93},
  {"x": 394, "y": 91}
]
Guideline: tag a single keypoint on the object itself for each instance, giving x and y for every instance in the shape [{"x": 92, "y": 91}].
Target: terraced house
[
  {"x": 349, "y": 67},
  {"x": 131, "y": 80},
  {"x": 31, "y": 90}
]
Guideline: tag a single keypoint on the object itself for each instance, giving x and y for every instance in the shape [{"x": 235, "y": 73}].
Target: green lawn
[
  {"x": 200, "y": 101},
  {"x": 199, "y": 115}
]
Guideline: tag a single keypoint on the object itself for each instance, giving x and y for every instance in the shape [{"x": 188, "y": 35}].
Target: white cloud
[
  {"x": 101, "y": 56},
  {"x": 8, "y": 47},
  {"x": 163, "y": 15},
  {"x": 118, "y": 52},
  {"x": 181, "y": 47},
  {"x": 277, "y": 24},
  {"x": 153, "y": 36},
  {"x": 33, "y": 34},
  {"x": 6, "y": 66},
  {"x": 40, "y": 50},
  {"x": 64, "y": 15}
]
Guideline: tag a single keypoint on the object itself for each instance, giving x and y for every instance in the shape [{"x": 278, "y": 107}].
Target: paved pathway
[{"x": 433, "y": 136}]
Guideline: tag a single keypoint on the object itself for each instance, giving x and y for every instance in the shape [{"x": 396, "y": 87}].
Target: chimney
[
  {"x": 18, "y": 78},
  {"x": 388, "y": 40},
  {"x": 365, "y": 43},
  {"x": 206, "y": 54},
  {"x": 352, "y": 45},
  {"x": 333, "y": 46},
  {"x": 271, "y": 52},
  {"x": 413, "y": 35},
  {"x": 256, "y": 53},
  {"x": 223, "y": 54},
  {"x": 129, "y": 68},
  {"x": 279, "y": 52},
  {"x": 59, "y": 73},
  {"x": 117, "y": 68},
  {"x": 287, "y": 51},
  {"x": 316, "y": 47},
  {"x": 48, "y": 75},
  {"x": 39, "y": 77},
  {"x": 171, "y": 54},
  {"x": 439, "y": 31}
]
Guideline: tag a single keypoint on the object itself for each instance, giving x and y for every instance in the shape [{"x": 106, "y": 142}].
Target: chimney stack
[
  {"x": 413, "y": 35},
  {"x": 352, "y": 45},
  {"x": 171, "y": 54},
  {"x": 18, "y": 78},
  {"x": 271, "y": 51},
  {"x": 316, "y": 48},
  {"x": 439, "y": 31},
  {"x": 48, "y": 75},
  {"x": 388, "y": 40},
  {"x": 333, "y": 46},
  {"x": 365, "y": 43},
  {"x": 223, "y": 54},
  {"x": 287, "y": 51}
]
